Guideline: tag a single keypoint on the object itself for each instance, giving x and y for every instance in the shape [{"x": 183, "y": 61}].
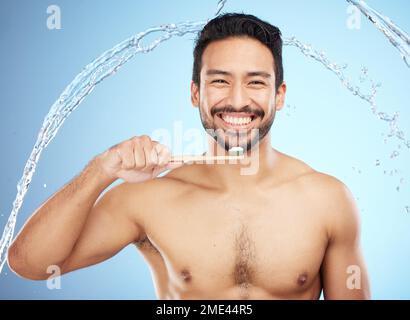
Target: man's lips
[{"x": 237, "y": 120}]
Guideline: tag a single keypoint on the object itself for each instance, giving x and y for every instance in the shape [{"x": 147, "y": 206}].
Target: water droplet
[
  {"x": 394, "y": 154},
  {"x": 384, "y": 116},
  {"x": 377, "y": 162},
  {"x": 407, "y": 208},
  {"x": 44, "y": 185}
]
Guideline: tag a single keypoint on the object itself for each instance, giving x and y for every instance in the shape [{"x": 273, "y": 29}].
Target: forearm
[{"x": 51, "y": 233}]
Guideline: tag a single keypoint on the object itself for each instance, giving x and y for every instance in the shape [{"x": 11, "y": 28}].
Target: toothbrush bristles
[{"x": 236, "y": 151}]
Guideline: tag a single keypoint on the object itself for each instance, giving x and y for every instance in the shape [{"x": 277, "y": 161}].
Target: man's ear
[
  {"x": 194, "y": 95},
  {"x": 280, "y": 96}
]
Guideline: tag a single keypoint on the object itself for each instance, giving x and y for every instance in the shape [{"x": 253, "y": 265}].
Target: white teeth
[{"x": 236, "y": 120}]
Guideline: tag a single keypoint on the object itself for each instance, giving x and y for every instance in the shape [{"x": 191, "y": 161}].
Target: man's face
[{"x": 237, "y": 91}]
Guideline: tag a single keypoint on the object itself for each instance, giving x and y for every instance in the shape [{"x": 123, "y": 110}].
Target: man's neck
[{"x": 260, "y": 161}]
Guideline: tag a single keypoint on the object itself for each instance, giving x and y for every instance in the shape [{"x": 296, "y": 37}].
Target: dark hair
[{"x": 239, "y": 25}]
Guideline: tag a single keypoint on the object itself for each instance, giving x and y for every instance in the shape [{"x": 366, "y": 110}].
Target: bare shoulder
[
  {"x": 332, "y": 192},
  {"x": 335, "y": 204},
  {"x": 329, "y": 197},
  {"x": 135, "y": 197},
  {"x": 136, "y": 202},
  {"x": 316, "y": 183}
]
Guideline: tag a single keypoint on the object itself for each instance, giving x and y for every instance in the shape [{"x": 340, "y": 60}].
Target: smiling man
[{"x": 207, "y": 231}]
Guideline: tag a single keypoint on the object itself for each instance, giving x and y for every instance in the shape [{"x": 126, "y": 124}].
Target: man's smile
[{"x": 237, "y": 120}]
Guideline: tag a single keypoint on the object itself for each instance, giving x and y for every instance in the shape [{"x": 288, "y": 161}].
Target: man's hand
[{"x": 136, "y": 160}]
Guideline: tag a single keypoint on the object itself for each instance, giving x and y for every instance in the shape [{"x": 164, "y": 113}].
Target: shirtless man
[{"x": 206, "y": 230}]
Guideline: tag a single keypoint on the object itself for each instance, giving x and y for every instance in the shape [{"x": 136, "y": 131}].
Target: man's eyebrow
[
  {"x": 259, "y": 73},
  {"x": 211, "y": 72},
  {"x": 248, "y": 74}
]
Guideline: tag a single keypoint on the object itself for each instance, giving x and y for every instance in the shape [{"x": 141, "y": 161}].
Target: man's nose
[{"x": 238, "y": 97}]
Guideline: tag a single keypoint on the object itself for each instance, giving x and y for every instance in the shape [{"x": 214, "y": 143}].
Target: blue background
[{"x": 324, "y": 125}]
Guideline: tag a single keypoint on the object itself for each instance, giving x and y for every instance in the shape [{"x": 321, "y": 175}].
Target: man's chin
[{"x": 246, "y": 145}]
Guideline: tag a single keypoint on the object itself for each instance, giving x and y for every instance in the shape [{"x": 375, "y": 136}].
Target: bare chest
[{"x": 235, "y": 245}]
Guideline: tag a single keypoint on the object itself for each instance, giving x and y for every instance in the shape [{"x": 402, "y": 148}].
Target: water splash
[
  {"x": 82, "y": 85},
  {"x": 109, "y": 63},
  {"x": 401, "y": 41},
  {"x": 397, "y": 37},
  {"x": 370, "y": 98},
  {"x": 219, "y": 7}
]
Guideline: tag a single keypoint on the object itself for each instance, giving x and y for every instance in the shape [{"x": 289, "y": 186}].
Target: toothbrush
[{"x": 235, "y": 153}]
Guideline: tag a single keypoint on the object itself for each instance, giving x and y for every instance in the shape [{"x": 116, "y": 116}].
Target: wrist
[{"x": 97, "y": 170}]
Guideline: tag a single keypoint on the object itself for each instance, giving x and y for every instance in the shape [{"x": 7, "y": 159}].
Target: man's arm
[
  {"x": 71, "y": 231},
  {"x": 343, "y": 269},
  {"x": 111, "y": 225}
]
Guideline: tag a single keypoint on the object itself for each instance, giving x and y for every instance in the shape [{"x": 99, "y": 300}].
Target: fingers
[
  {"x": 138, "y": 153},
  {"x": 144, "y": 154},
  {"x": 126, "y": 155},
  {"x": 149, "y": 154},
  {"x": 164, "y": 154}
]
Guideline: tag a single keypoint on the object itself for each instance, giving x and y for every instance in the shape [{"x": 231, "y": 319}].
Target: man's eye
[
  {"x": 219, "y": 81},
  {"x": 257, "y": 82}
]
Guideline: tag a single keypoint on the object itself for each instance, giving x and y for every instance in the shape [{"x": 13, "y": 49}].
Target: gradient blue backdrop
[{"x": 325, "y": 125}]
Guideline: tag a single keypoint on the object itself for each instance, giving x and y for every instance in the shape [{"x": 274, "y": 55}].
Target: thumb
[
  {"x": 168, "y": 166},
  {"x": 174, "y": 165}
]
